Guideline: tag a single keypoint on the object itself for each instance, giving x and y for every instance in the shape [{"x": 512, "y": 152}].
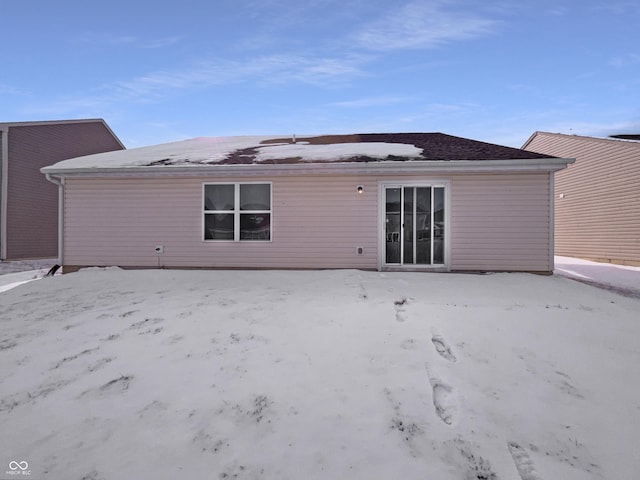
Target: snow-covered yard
[{"x": 111, "y": 374}]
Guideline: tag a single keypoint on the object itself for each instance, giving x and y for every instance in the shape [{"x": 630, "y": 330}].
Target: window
[{"x": 237, "y": 211}]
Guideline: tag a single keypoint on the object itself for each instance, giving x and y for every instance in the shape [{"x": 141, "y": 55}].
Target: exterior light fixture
[{"x": 360, "y": 189}]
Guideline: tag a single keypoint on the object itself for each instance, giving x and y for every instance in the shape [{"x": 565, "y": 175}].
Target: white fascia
[{"x": 382, "y": 167}]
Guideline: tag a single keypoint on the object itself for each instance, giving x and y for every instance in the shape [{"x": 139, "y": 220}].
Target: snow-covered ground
[
  {"x": 26, "y": 265},
  {"x": 112, "y": 374},
  {"x": 618, "y": 278},
  {"x": 19, "y": 272}
]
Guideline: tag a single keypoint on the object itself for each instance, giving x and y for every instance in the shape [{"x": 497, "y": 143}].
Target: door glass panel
[
  {"x": 438, "y": 225},
  {"x": 407, "y": 225},
  {"x": 423, "y": 225},
  {"x": 392, "y": 225},
  {"x": 415, "y": 225}
]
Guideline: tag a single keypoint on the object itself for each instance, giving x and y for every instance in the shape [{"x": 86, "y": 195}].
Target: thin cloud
[
  {"x": 557, "y": 11},
  {"x": 372, "y": 102},
  {"x": 617, "y": 7},
  {"x": 625, "y": 60},
  {"x": 263, "y": 70},
  {"x": 516, "y": 129},
  {"x": 441, "y": 111},
  {"x": 76, "y": 105},
  {"x": 11, "y": 90},
  {"x": 422, "y": 24},
  {"x": 326, "y": 71},
  {"x": 160, "y": 42},
  {"x": 128, "y": 41},
  {"x": 160, "y": 85},
  {"x": 605, "y": 130}
]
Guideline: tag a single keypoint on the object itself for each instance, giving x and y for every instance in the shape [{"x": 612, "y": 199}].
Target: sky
[{"x": 163, "y": 71}]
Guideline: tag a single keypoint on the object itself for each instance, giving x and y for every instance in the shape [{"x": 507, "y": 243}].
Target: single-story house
[
  {"x": 419, "y": 201},
  {"x": 28, "y": 203},
  {"x": 597, "y": 213}
]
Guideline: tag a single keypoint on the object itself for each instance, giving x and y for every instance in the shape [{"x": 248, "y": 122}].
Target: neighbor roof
[
  {"x": 261, "y": 150},
  {"x": 39, "y": 123},
  {"x": 626, "y": 136},
  {"x": 611, "y": 140}
]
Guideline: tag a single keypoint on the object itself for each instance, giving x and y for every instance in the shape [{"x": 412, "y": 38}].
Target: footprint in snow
[
  {"x": 73, "y": 357},
  {"x": 6, "y": 344},
  {"x": 99, "y": 364},
  {"x": 443, "y": 349},
  {"x": 92, "y": 475},
  {"x": 463, "y": 455},
  {"x": 43, "y": 390},
  {"x": 401, "y": 313},
  {"x": 409, "y": 344},
  {"x": 147, "y": 322},
  {"x": 523, "y": 462},
  {"x": 443, "y": 397},
  {"x": 116, "y": 386},
  {"x": 409, "y": 430}
]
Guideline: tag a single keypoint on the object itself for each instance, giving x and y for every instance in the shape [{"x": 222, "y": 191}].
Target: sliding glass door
[{"x": 414, "y": 225}]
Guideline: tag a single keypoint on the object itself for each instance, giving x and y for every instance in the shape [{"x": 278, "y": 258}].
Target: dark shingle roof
[
  {"x": 439, "y": 146},
  {"x": 388, "y": 148},
  {"x": 626, "y": 136},
  {"x": 435, "y": 146}
]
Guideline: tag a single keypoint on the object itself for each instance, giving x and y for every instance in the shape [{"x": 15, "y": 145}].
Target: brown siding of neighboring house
[
  {"x": 597, "y": 199},
  {"x": 32, "y": 203}
]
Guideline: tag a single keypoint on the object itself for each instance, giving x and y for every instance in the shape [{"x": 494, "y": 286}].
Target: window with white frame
[{"x": 237, "y": 211}]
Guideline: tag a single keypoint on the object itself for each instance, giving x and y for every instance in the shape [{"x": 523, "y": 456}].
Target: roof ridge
[{"x": 585, "y": 137}]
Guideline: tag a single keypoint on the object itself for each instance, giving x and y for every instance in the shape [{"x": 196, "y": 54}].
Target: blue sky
[{"x": 162, "y": 71}]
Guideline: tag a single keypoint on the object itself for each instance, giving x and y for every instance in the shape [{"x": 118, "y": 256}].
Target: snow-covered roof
[{"x": 290, "y": 150}]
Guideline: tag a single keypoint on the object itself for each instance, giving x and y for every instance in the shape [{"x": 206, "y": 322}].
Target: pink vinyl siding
[
  {"x": 32, "y": 201},
  {"x": 597, "y": 214},
  {"x": 499, "y": 222},
  {"x": 317, "y": 223}
]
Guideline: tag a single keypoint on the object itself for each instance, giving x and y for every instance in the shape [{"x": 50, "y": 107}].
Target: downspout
[
  {"x": 4, "y": 184},
  {"x": 552, "y": 221},
  {"x": 60, "y": 183}
]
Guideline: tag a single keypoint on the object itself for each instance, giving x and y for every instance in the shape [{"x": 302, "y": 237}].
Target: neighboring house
[
  {"x": 417, "y": 201},
  {"x": 597, "y": 198},
  {"x": 28, "y": 203}
]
